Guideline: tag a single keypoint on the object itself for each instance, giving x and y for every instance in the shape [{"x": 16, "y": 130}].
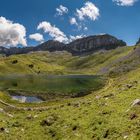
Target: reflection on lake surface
[
  {"x": 29, "y": 87},
  {"x": 26, "y": 99}
]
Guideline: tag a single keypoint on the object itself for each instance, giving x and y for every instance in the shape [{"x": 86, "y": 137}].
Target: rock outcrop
[
  {"x": 86, "y": 45},
  {"x": 94, "y": 43}
]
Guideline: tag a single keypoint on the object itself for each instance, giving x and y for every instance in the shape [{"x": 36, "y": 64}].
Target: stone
[
  {"x": 133, "y": 116},
  {"x": 35, "y": 116},
  {"x": 31, "y": 66},
  {"x": 14, "y": 61},
  {"x": 129, "y": 85},
  {"x": 29, "y": 117},
  {"x": 109, "y": 95},
  {"x": 1, "y": 110},
  {"x": 98, "y": 97},
  {"x": 125, "y": 137},
  {"x": 106, "y": 134},
  {"x": 136, "y": 102},
  {"x": 76, "y": 104},
  {"x": 48, "y": 122},
  {"x": 10, "y": 115},
  {"x": 2, "y": 129},
  {"x": 6, "y": 130},
  {"x": 74, "y": 128}
]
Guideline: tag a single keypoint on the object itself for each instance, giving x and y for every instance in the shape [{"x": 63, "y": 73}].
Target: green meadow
[{"x": 108, "y": 112}]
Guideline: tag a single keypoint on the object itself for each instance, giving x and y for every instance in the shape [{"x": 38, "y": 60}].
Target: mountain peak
[{"x": 94, "y": 43}]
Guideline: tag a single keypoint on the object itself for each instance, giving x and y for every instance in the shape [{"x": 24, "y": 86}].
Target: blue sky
[{"x": 119, "y": 19}]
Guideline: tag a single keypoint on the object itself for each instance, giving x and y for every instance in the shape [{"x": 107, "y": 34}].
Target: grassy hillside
[
  {"x": 108, "y": 113},
  {"x": 60, "y": 63}
]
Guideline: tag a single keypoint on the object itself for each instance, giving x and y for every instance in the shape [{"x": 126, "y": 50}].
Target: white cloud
[
  {"x": 72, "y": 38},
  {"x": 53, "y": 31},
  {"x": 73, "y": 21},
  {"x": 80, "y": 25},
  {"x": 11, "y": 34},
  {"x": 89, "y": 10},
  {"x": 61, "y": 10},
  {"x": 85, "y": 28},
  {"x": 37, "y": 37},
  {"x": 125, "y": 2}
]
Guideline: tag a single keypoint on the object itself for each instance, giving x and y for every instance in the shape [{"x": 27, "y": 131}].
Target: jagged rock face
[
  {"x": 138, "y": 42},
  {"x": 94, "y": 43},
  {"x": 81, "y": 46}
]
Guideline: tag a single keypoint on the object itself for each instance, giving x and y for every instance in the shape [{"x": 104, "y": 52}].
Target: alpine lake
[{"x": 34, "y": 88}]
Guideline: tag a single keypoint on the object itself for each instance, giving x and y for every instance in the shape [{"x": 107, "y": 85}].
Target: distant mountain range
[{"x": 83, "y": 46}]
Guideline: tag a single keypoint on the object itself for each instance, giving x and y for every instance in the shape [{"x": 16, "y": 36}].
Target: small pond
[
  {"x": 26, "y": 99},
  {"x": 29, "y": 88}
]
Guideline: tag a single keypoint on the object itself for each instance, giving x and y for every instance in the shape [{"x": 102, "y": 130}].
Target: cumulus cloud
[
  {"x": 37, "y": 37},
  {"x": 89, "y": 10},
  {"x": 80, "y": 25},
  {"x": 125, "y": 2},
  {"x": 53, "y": 31},
  {"x": 11, "y": 34},
  {"x": 73, "y": 21},
  {"x": 61, "y": 10}
]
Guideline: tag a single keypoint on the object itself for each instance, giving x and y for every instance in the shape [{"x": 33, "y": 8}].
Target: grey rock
[{"x": 136, "y": 102}]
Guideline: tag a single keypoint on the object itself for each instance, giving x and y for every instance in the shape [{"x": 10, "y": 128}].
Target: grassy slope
[
  {"x": 105, "y": 114},
  {"x": 60, "y": 63}
]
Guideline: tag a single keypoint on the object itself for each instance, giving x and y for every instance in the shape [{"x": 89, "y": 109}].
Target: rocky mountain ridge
[{"x": 81, "y": 46}]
